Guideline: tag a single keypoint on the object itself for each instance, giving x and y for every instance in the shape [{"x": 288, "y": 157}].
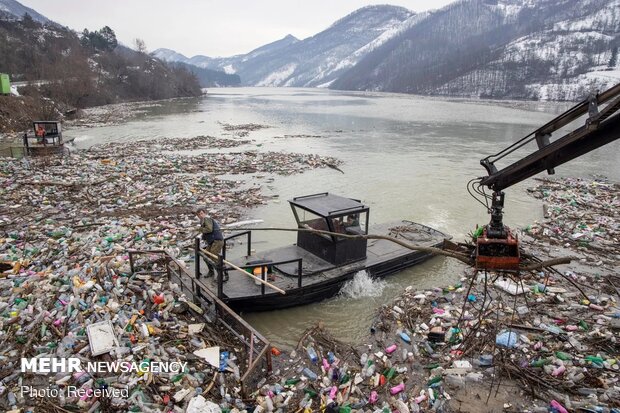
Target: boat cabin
[
  {"x": 47, "y": 139},
  {"x": 47, "y": 132},
  {"x": 332, "y": 213}
]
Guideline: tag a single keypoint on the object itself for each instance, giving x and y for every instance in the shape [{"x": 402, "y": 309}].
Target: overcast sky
[{"x": 208, "y": 27}]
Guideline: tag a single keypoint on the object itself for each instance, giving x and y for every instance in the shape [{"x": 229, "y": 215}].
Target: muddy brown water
[{"x": 406, "y": 157}]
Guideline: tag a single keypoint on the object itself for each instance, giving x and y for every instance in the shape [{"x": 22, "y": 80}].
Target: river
[{"x": 405, "y": 156}]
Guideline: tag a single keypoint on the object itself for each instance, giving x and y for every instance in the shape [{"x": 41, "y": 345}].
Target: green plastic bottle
[
  {"x": 291, "y": 382},
  {"x": 434, "y": 380},
  {"x": 563, "y": 356},
  {"x": 540, "y": 362},
  {"x": 595, "y": 360},
  {"x": 178, "y": 377},
  {"x": 310, "y": 392}
]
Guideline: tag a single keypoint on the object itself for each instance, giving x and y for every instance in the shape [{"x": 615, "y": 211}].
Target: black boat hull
[{"x": 320, "y": 291}]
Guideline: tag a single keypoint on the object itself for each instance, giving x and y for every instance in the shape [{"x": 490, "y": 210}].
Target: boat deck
[{"x": 383, "y": 257}]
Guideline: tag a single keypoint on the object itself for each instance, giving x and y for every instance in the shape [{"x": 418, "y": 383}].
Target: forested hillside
[{"x": 86, "y": 69}]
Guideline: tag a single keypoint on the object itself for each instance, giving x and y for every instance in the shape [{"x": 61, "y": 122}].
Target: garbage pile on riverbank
[
  {"x": 450, "y": 349},
  {"x": 100, "y": 312},
  {"x": 580, "y": 213},
  {"x": 66, "y": 225}
]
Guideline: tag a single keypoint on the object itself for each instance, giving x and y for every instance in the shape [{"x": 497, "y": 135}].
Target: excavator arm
[{"x": 497, "y": 247}]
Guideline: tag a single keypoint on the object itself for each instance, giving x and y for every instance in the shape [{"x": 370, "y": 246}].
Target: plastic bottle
[
  {"x": 391, "y": 349},
  {"x": 333, "y": 391},
  {"x": 291, "y": 382},
  {"x": 12, "y": 399},
  {"x": 304, "y": 402},
  {"x": 373, "y": 397},
  {"x": 416, "y": 349},
  {"x": 428, "y": 348},
  {"x": 269, "y": 404},
  {"x": 312, "y": 354},
  {"x": 596, "y": 361},
  {"x": 433, "y": 381},
  {"x": 363, "y": 359},
  {"x": 309, "y": 374},
  {"x": 397, "y": 389},
  {"x": 335, "y": 374},
  {"x": 404, "y": 336}
]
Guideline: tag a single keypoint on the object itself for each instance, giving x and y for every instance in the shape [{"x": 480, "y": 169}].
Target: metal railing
[
  {"x": 237, "y": 235},
  {"x": 257, "y": 348},
  {"x": 222, "y": 269}
]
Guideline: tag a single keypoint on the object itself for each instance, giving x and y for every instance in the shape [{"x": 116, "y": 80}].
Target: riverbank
[{"x": 66, "y": 222}]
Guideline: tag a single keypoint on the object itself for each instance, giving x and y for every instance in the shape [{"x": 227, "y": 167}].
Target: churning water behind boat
[{"x": 362, "y": 285}]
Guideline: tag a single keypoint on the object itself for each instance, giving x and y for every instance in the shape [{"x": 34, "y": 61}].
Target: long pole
[{"x": 241, "y": 270}]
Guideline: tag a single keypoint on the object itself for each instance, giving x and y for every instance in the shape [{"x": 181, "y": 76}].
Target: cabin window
[
  {"x": 313, "y": 221},
  {"x": 353, "y": 223},
  {"x": 356, "y": 223}
]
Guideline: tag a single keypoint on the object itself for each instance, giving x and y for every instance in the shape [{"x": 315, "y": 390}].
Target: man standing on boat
[{"x": 212, "y": 234}]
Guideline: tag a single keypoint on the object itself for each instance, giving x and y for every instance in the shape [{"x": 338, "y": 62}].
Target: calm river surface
[{"x": 406, "y": 157}]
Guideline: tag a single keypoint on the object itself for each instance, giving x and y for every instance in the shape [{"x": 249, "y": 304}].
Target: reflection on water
[{"x": 407, "y": 157}]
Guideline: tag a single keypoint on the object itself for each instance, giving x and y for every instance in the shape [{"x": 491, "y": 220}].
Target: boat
[
  {"x": 46, "y": 140},
  {"x": 318, "y": 264}
]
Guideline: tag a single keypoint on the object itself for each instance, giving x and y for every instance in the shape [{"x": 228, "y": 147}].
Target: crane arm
[
  {"x": 497, "y": 248},
  {"x": 601, "y": 127}
]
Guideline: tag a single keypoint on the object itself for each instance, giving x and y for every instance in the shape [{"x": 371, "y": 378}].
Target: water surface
[{"x": 405, "y": 156}]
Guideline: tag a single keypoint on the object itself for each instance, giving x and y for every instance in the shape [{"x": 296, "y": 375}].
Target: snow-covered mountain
[
  {"x": 535, "y": 49},
  {"x": 315, "y": 61},
  {"x": 17, "y": 10}
]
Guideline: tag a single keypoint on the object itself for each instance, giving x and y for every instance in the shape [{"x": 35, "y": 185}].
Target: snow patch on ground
[
  {"x": 576, "y": 88},
  {"x": 326, "y": 84},
  {"x": 607, "y": 17},
  {"x": 278, "y": 77},
  {"x": 229, "y": 69},
  {"x": 389, "y": 33}
]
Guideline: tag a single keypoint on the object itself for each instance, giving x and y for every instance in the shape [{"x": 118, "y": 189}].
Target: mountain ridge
[
  {"x": 18, "y": 10},
  {"x": 313, "y": 61}
]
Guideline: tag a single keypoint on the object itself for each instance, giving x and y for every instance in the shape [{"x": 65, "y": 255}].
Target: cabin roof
[{"x": 326, "y": 204}]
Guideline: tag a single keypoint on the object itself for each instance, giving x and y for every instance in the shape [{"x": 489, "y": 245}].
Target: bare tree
[{"x": 140, "y": 45}]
